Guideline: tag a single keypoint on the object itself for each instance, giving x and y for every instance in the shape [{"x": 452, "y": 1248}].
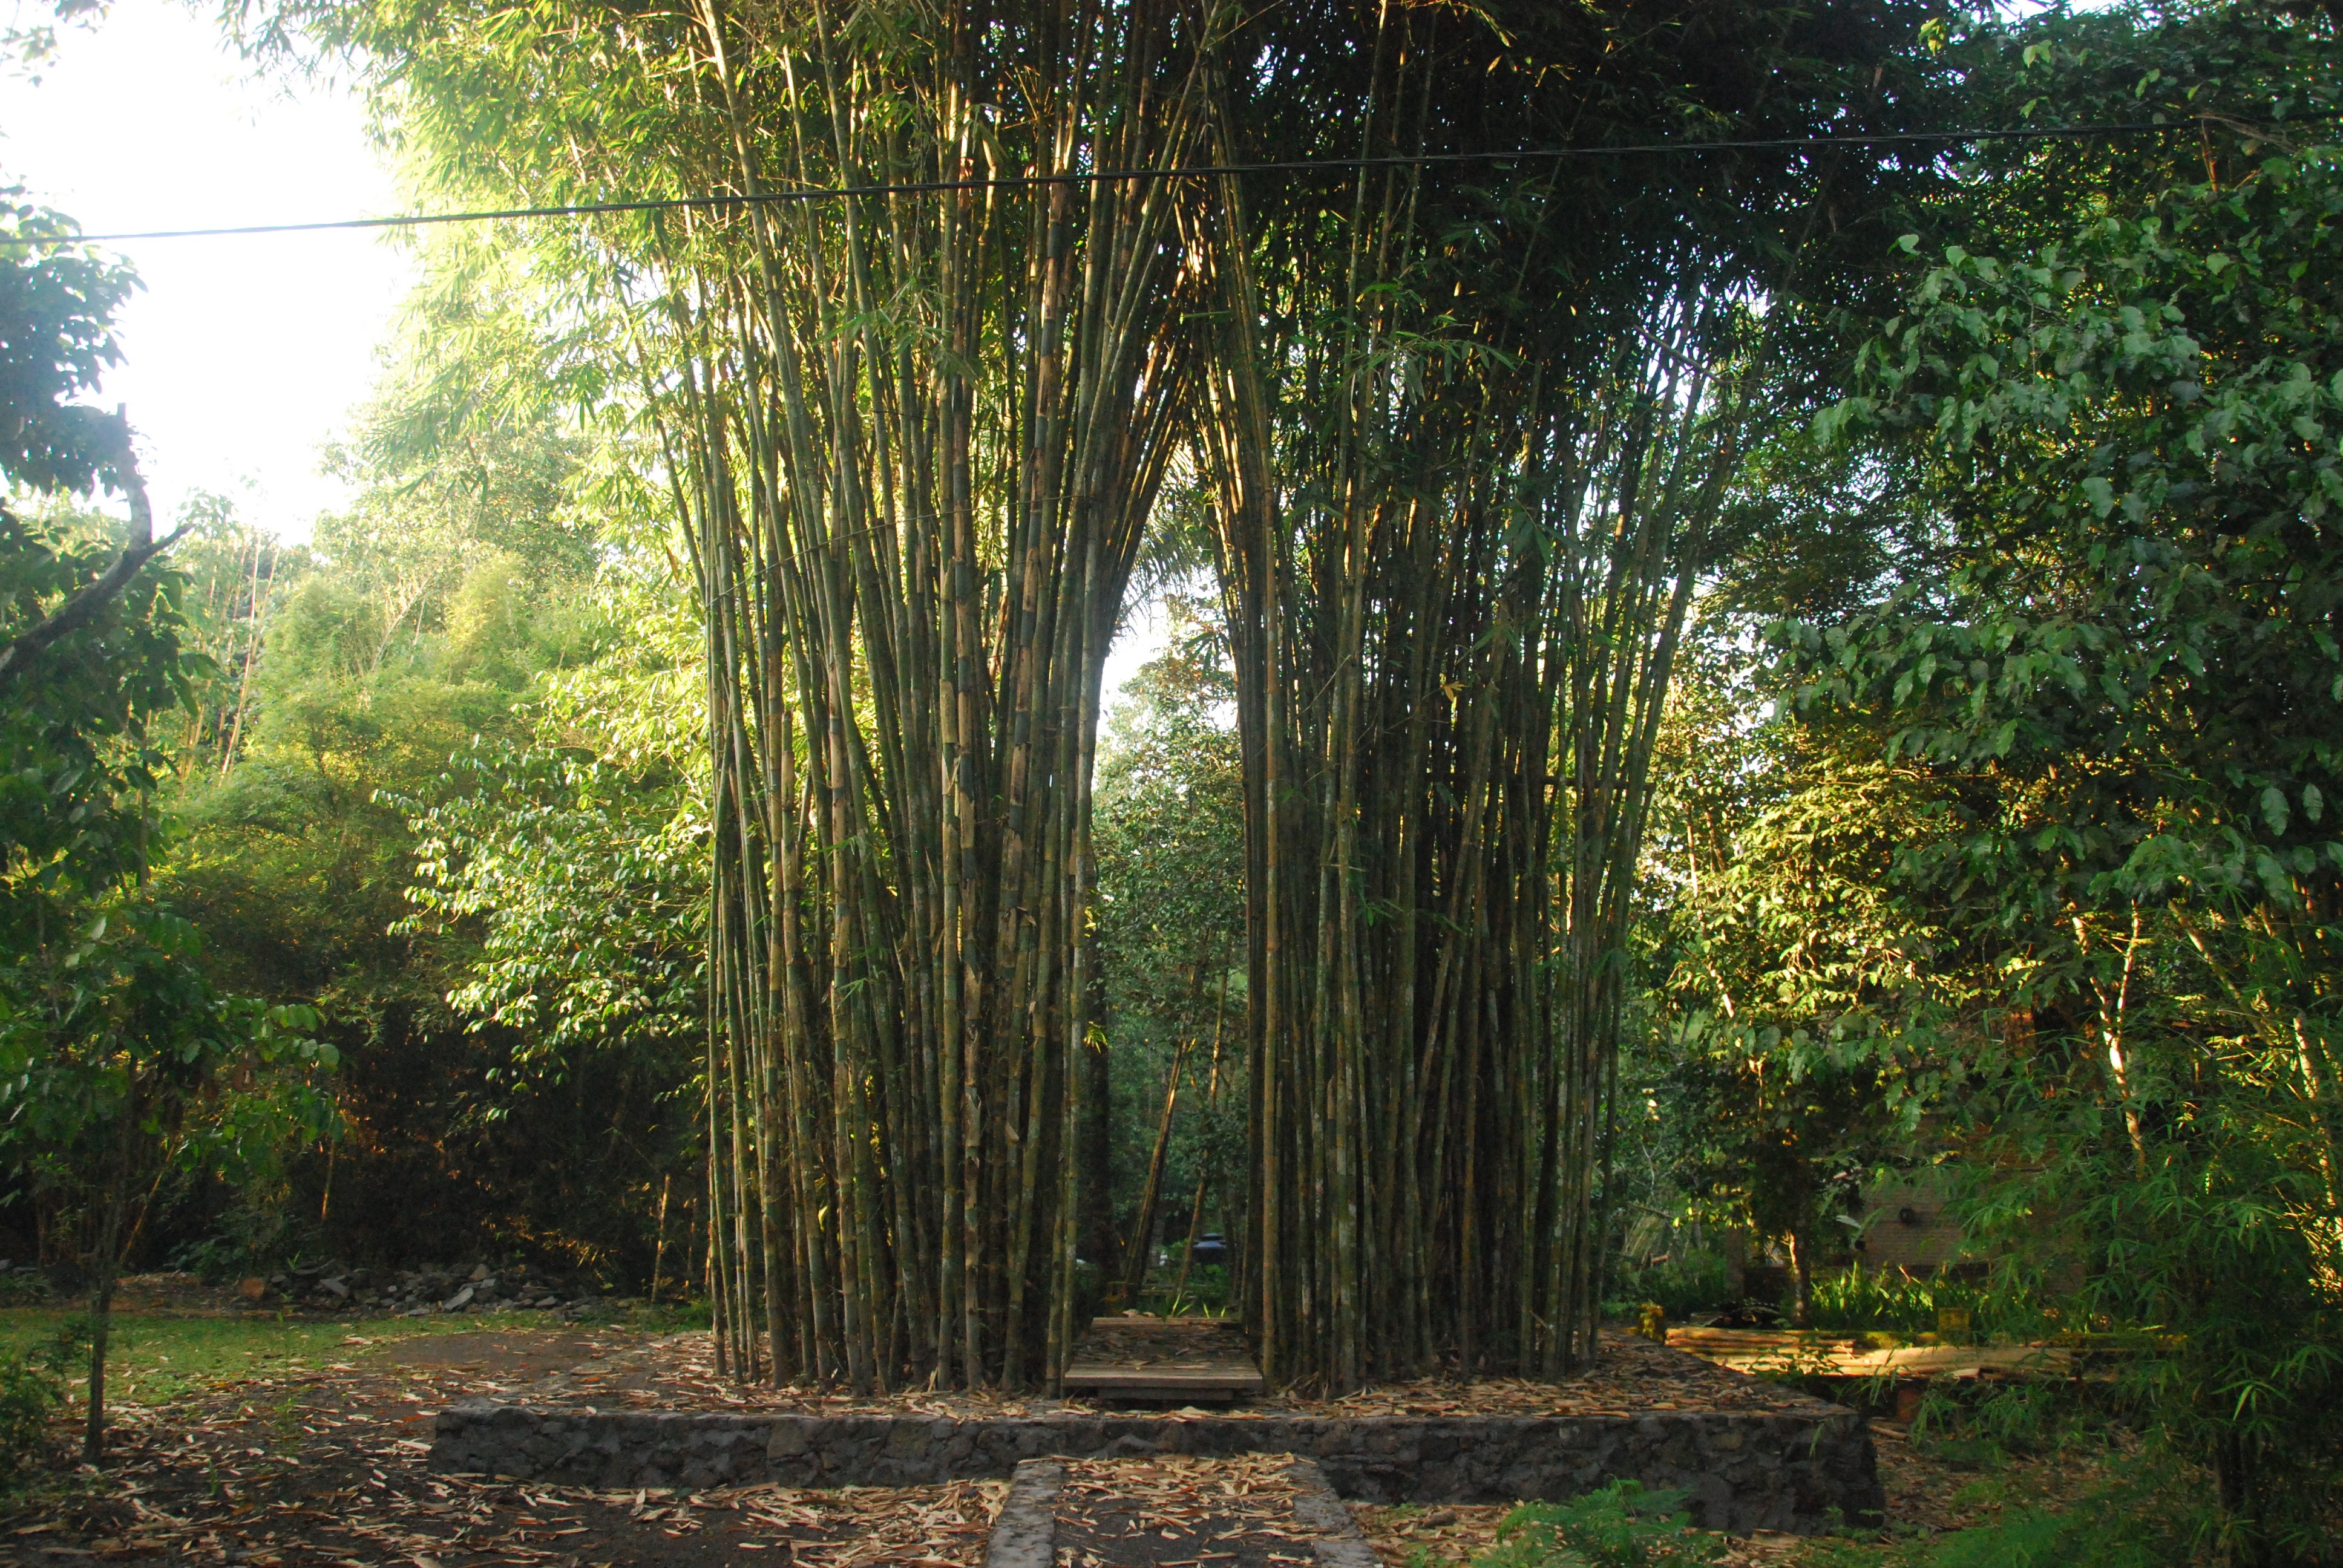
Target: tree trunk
[
  {"x": 102, "y": 1274},
  {"x": 1097, "y": 1157},
  {"x": 1802, "y": 1276},
  {"x": 1142, "y": 1230}
]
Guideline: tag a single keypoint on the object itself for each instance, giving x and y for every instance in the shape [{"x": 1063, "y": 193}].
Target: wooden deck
[{"x": 1164, "y": 1361}]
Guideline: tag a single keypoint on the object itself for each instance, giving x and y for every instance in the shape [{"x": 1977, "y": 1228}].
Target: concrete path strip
[
  {"x": 1340, "y": 1544},
  {"x": 1025, "y": 1535}
]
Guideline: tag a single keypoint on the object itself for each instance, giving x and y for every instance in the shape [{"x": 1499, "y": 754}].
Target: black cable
[{"x": 1186, "y": 171}]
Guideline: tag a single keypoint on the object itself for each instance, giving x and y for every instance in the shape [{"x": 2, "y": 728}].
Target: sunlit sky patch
[{"x": 243, "y": 355}]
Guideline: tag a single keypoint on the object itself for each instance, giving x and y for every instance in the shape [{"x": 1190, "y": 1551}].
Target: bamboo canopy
[
  {"x": 1459, "y": 451},
  {"x": 928, "y": 433},
  {"x": 1456, "y": 549}
]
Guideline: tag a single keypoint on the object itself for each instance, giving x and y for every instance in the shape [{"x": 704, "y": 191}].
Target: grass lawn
[{"x": 152, "y": 1360}]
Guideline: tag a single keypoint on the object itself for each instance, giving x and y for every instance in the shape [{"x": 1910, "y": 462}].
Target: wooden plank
[
  {"x": 1169, "y": 1369},
  {"x": 1193, "y": 1325},
  {"x": 1844, "y": 1355},
  {"x": 1168, "y": 1393},
  {"x": 1108, "y": 1371},
  {"x": 1184, "y": 1360}
]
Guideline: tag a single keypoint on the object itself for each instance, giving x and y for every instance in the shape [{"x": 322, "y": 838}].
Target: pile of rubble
[{"x": 330, "y": 1287}]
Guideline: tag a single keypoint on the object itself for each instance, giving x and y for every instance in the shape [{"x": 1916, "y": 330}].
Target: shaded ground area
[
  {"x": 1181, "y": 1512},
  {"x": 319, "y": 1461},
  {"x": 324, "y": 1466},
  {"x": 1931, "y": 1489},
  {"x": 320, "y": 1291}
]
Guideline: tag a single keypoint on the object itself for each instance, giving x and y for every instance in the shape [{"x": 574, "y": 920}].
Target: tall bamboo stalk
[
  {"x": 1457, "y": 535},
  {"x": 1462, "y": 449},
  {"x": 921, "y": 434}
]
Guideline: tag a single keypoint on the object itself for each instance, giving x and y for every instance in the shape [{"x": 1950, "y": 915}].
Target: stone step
[{"x": 1163, "y": 1361}]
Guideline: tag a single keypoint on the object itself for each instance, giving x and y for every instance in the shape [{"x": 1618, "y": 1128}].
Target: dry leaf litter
[
  {"x": 1631, "y": 1375},
  {"x": 323, "y": 1468},
  {"x": 1181, "y": 1513}
]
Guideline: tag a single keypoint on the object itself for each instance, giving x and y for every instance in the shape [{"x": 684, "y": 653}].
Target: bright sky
[{"x": 243, "y": 355}]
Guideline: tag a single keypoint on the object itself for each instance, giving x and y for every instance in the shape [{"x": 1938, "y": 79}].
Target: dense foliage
[
  {"x": 121, "y": 1063},
  {"x": 1171, "y": 849}
]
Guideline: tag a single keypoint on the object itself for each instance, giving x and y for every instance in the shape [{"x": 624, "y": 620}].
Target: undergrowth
[
  {"x": 1620, "y": 1526},
  {"x": 2033, "y": 1538},
  {"x": 32, "y": 1391},
  {"x": 1683, "y": 1286},
  {"x": 1858, "y": 1298}
]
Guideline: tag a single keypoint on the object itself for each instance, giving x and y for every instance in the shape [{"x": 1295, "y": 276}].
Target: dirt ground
[
  {"x": 678, "y": 1372},
  {"x": 322, "y": 1466},
  {"x": 325, "y": 1467}
]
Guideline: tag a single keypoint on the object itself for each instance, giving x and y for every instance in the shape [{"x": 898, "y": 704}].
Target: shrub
[
  {"x": 1854, "y": 1300},
  {"x": 32, "y": 1389},
  {"x": 1695, "y": 1282},
  {"x": 23, "y": 1287},
  {"x": 2033, "y": 1539},
  {"x": 1857, "y": 1299},
  {"x": 1620, "y": 1526}
]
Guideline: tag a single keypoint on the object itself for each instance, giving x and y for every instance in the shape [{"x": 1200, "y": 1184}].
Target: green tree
[
  {"x": 1170, "y": 914},
  {"x": 122, "y": 1067},
  {"x": 1806, "y": 1010},
  {"x": 2131, "y": 679},
  {"x": 457, "y": 736},
  {"x": 115, "y": 1045},
  {"x": 1797, "y": 1003}
]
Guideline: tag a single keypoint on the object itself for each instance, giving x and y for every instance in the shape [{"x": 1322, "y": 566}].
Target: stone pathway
[{"x": 1256, "y": 1511}]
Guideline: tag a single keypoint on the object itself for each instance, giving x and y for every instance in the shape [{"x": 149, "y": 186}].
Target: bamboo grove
[
  {"x": 1461, "y": 435},
  {"x": 1467, "y": 460},
  {"x": 921, "y": 466}
]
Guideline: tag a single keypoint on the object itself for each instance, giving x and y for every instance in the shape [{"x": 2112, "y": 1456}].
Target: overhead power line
[{"x": 1183, "y": 171}]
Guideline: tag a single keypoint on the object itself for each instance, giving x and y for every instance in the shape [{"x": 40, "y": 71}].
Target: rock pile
[{"x": 333, "y": 1287}]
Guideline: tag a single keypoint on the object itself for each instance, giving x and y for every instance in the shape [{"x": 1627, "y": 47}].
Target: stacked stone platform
[{"x": 1803, "y": 1471}]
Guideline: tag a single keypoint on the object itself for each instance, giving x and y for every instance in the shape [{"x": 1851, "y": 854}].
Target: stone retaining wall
[{"x": 1744, "y": 1471}]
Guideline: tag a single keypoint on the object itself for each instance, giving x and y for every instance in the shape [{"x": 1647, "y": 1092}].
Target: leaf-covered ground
[
  {"x": 321, "y": 1464},
  {"x": 300, "y": 1445},
  {"x": 1181, "y": 1511},
  {"x": 677, "y": 1372}
]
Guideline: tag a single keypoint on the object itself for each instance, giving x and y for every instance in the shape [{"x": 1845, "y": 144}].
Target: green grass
[{"x": 157, "y": 1359}]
